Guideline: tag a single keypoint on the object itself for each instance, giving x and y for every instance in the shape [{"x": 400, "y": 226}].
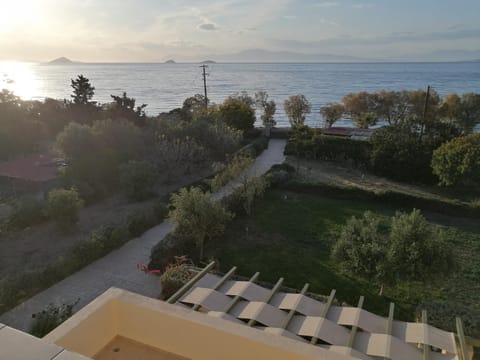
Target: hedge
[
  {"x": 312, "y": 145},
  {"x": 447, "y": 207}
]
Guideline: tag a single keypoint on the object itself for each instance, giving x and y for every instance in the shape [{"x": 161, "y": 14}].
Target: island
[
  {"x": 61, "y": 61},
  {"x": 208, "y": 62},
  {"x": 170, "y": 61}
]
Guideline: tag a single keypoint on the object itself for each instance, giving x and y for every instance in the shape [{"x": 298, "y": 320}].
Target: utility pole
[
  {"x": 205, "y": 84},
  {"x": 425, "y": 110}
]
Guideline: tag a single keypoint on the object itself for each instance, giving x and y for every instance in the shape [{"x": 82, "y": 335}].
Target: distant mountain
[
  {"x": 208, "y": 62},
  {"x": 445, "y": 55},
  {"x": 170, "y": 61},
  {"x": 61, "y": 61},
  {"x": 267, "y": 56}
]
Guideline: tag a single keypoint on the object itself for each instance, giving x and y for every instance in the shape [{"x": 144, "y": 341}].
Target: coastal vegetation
[
  {"x": 116, "y": 166},
  {"x": 402, "y": 246}
]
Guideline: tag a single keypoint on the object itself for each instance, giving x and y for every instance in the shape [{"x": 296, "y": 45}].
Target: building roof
[
  {"x": 37, "y": 168},
  {"x": 351, "y": 331}
]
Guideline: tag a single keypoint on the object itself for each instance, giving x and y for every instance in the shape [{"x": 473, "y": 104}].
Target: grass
[{"x": 290, "y": 234}]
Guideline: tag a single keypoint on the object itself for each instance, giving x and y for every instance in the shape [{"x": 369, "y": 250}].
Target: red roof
[{"x": 36, "y": 168}]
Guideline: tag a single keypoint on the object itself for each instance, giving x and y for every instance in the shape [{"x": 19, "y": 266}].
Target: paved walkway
[{"x": 118, "y": 268}]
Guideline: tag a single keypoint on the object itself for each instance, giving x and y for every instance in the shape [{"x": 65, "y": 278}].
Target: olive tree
[
  {"x": 297, "y": 107},
  {"x": 408, "y": 248},
  {"x": 198, "y": 218}
]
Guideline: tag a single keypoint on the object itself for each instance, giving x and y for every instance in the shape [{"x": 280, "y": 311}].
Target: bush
[
  {"x": 174, "y": 277},
  {"x": 139, "y": 223},
  {"x": 48, "y": 319},
  {"x": 412, "y": 250},
  {"x": 165, "y": 251},
  {"x": 101, "y": 241},
  {"x": 138, "y": 179},
  {"x": 63, "y": 206},
  {"x": 417, "y": 250},
  {"x": 458, "y": 161},
  {"x": 27, "y": 211},
  {"x": 407, "y": 201},
  {"x": 237, "y": 114},
  {"x": 311, "y": 144},
  {"x": 362, "y": 246}
]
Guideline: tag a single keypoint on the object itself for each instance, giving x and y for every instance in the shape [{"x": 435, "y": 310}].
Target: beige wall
[
  {"x": 176, "y": 330},
  {"x": 88, "y": 333}
]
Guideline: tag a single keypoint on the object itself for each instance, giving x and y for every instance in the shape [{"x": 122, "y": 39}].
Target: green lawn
[{"x": 290, "y": 234}]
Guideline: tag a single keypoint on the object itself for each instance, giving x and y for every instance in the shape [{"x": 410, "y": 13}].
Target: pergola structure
[{"x": 351, "y": 331}]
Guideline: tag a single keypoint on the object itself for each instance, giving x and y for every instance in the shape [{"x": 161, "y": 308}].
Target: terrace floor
[{"x": 121, "y": 348}]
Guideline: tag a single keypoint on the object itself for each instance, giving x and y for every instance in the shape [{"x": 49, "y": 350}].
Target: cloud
[
  {"x": 208, "y": 27},
  {"x": 362, "y": 6},
  {"x": 327, "y": 4}
]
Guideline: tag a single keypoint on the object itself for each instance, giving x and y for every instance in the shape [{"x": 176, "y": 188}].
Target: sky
[{"x": 192, "y": 30}]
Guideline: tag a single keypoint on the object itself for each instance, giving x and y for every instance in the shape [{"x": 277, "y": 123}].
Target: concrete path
[{"x": 118, "y": 268}]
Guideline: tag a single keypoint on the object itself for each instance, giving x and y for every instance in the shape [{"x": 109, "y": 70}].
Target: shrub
[
  {"x": 458, "y": 161},
  {"x": 165, "y": 252},
  {"x": 27, "y": 211},
  {"x": 138, "y": 179},
  {"x": 279, "y": 177},
  {"x": 361, "y": 247},
  {"x": 174, "y": 277},
  {"x": 48, "y": 319},
  {"x": 310, "y": 143},
  {"x": 237, "y": 114},
  {"x": 63, "y": 206},
  {"x": 101, "y": 241},
  {"x": 417, "y": 250},
  {"x": 412, "y": 250},
  {"x": 139, "y": 223}
]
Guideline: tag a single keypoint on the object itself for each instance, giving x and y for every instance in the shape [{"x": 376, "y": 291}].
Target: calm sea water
[{"x": 165, "y": 86}]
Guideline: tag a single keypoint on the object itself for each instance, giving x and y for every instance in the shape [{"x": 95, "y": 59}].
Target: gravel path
[{"x": 118, "y": 269}]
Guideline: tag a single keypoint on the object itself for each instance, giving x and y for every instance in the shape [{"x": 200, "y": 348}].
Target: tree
[
  {"x": 297, "y": 107},
  {"x": 269, "y": 108},
  {"x": 362, "y": 246},
  {"x": 63, "y": 206},
  {"x": 458, "y": 161},
  {"x": 244, "y": 98},
  {"x": 176, "y": 157},
  {"x": 391, "y": 106},
  {"x": 94, "y": 153},
  {"x": 237, "y": 114},
  {"x": 462, "y": 111},
  {"x": 417, "y": 250},
  {"x": 361, "y": 108},
  {"x": 397, "y": 153},
  {"x": 193, "y": 105},
  {"x": 409, "y": 249},
  {"x": 83, "y": 91},
  {"x": 332, "y": 113},
  {"x": 123, "y": 107},
  {"x": 138, "y": 179},
  {"x": 198, "y": 218}
]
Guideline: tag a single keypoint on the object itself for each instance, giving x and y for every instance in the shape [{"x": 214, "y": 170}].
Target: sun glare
[
  {"x": 15, "y": 13},
  {"x": 19, "y": 78}
]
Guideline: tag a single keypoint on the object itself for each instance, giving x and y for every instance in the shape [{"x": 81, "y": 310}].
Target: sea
[{"x": 164, "y": 87}]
